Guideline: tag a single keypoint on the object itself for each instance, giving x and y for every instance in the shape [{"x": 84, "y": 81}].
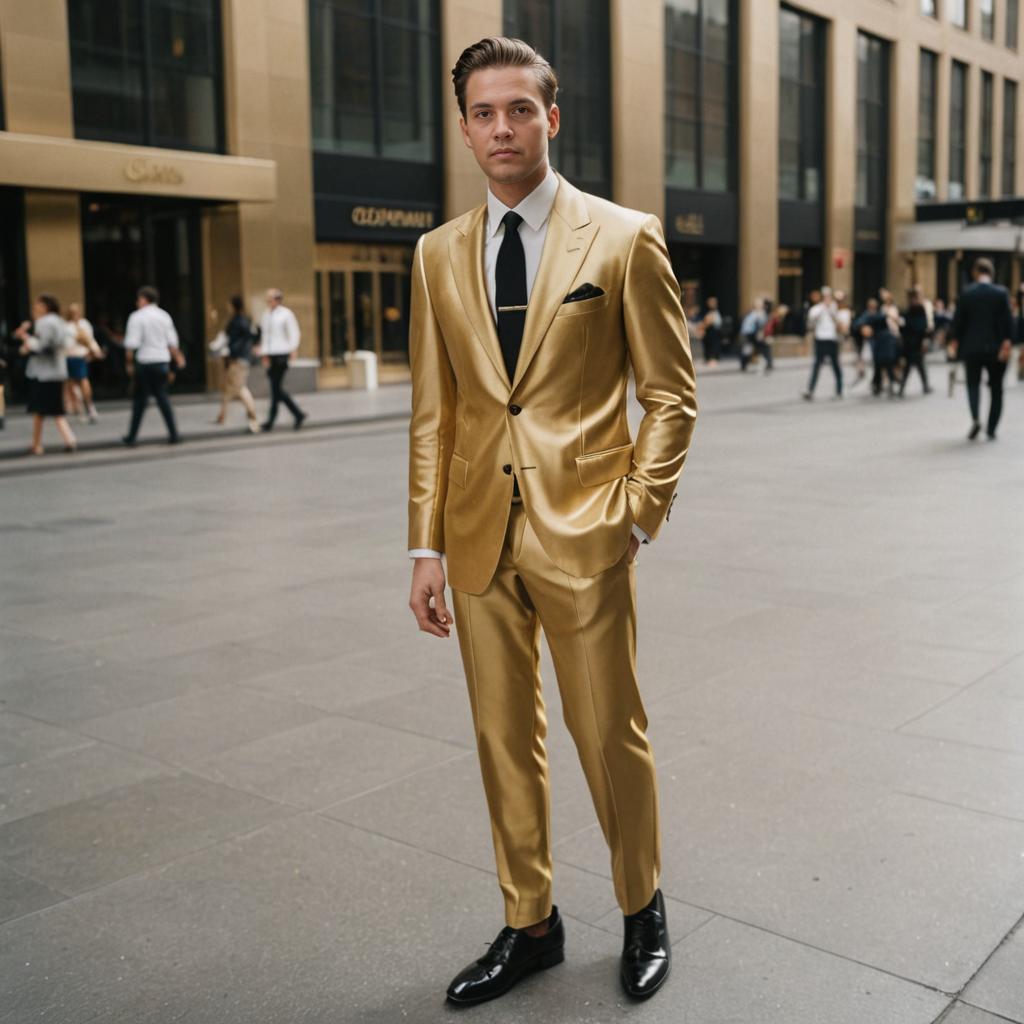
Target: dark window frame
[
  {"x": 699, "y": 121},
  {"x": 872, "y": 170},
  {"x": 957, "y": 130},
  {"x": 569, "y": 162},
  {"x": 146, "y": 61},
  {"x": 379, "y": 22},
  {"x": 811, "y": 152},
  {"x": 987, "y": 19},
  {"x": 1008, "y": 173},
  {"x": 986, "y": 115},
  {"x": 927, "y": 122}
]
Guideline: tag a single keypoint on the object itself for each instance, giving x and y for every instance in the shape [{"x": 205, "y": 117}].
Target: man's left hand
[{"x": 1004, "y": 352}]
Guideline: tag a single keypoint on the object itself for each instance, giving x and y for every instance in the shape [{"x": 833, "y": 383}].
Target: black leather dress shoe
[
  {"x": 646, "y": 951},
  {"x": 513, "y": 955}
]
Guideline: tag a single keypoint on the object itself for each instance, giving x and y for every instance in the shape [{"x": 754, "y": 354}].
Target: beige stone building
[{"x": 223, "y": 147}]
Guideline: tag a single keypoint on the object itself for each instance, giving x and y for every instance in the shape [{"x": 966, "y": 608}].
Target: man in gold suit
[{"x": 527, "y": 315}]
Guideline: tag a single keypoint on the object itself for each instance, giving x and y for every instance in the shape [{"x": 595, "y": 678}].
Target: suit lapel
[
  {"x": 466, "y": 255},
  {"x": 570, "y": 235}
]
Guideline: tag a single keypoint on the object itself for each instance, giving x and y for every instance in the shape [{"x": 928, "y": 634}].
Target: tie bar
[{"x": 511, "y": 309}]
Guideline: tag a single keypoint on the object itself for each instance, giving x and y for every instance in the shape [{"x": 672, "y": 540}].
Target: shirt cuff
[
  {"x": 424, "y": 553},
  {"x": 641, "y": 535}
]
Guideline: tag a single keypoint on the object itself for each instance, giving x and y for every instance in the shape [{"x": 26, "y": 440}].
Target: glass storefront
[
  {"x": 127, "y": 243},
  {"x": 363, "y": 294}
]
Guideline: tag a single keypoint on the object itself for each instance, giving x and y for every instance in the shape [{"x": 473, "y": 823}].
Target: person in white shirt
[
  {"x": 823, "y": 319},
  {"x": 279, "y": 341},
  {"x": 151, "y": 343}
]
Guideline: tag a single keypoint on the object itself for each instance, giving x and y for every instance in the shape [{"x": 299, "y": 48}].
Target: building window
[
  {"x": 801, "y": 106},
  {"x": 574, "y": 36},
  {"x": 1009, "y": 175},
  {"x": 1012, "y": 23},
  {"x": 985, "y": 141},
  {"x": 928, "y": 8},
  {"x": 374, "y": 70},
  {"x": 957, "y": 129},
  {"x": 958, "y": 13},
  {"x": 924, "y": 186},
  {"x": 872, "y": 120},
  {"x": 147, "y": 72},
  {"x": 988, "y": 18},
  {"x": 699, "y": 95}
]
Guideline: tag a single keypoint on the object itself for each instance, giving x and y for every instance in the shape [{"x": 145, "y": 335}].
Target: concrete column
[
  {"x": 840, "y": 152},
  {"x": 758, "y": 72},
  {"x": 53, "y": 245},
  {"x": 638, "y": 104},
  {"x": 267, "y": 111},
  {"x": 462, "y": 24},
  {"x": 37, "y": 97},
  {"x": 36, "y": 67},
  {"x": 904, "y": 81}
]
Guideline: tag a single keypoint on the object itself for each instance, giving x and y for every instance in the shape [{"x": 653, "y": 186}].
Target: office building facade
[{"x": 219, "y": 147}]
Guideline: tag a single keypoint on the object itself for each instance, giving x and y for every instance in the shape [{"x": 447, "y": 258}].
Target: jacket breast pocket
[
  {"x": 600, "y": 467},
  {"x": 568, "y": 309},
  {"x": 458, "y": 470}
]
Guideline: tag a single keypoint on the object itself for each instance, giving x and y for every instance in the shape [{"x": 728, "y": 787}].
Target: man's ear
[{"x": 554, "y": 120}]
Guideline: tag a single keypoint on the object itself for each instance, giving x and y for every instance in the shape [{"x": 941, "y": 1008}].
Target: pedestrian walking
[
  {"x": 540, "y": 523},
  {"x": 822, "y": 320},
  {"x": 712, "y": 324},
  {"x": 886, "y": 325},
  {"x": 82, "y": 350},
  {"x": 861, "y": 331},
  {"x": 983, "y": 338},
  {"x": 241, "y": 337},
  {"x": 151, "y": 345},
  {"x": 45, "y": 343},
  {"x": 752, "y": 335},
  {"x": 279, "y": 341},
  {"x": 918, "y": 327}
]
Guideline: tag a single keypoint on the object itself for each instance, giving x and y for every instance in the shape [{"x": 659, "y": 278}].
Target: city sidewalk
[
  {"x": 195, "y": 415},
  {"x": 237, "y": 786}
]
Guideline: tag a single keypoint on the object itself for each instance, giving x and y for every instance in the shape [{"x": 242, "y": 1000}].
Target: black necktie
[
  {"x": 510, "y": 292},
  {"x": 510, "y": 298}
]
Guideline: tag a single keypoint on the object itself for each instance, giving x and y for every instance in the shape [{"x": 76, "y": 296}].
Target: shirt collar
[{"x": 534, "y": 209}]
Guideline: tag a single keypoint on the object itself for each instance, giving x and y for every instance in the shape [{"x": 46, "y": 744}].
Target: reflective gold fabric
[
  {"x": 590, "y": 625},
  {"x": 561, "y": 424}
]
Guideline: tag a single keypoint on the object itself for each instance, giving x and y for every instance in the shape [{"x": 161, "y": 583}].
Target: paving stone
[
  {"x": 103, "y": 838},
  {"x": 21, "y": 895},
  {"x": 964, "y": 1013},
  {"x": 999, "y": 985},
  {"x": 24, "y": 739}
]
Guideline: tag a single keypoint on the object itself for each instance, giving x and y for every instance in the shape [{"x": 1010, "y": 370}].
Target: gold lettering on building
[
  {"x": 143, "y": 171},
  {"x": 391, "y": 217},
  {"x": 690, "y": 223}
]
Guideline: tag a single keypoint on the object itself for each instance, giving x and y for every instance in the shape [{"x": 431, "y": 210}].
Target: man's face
[
  {"x": 271, "y": 300},
  {"x": 506, "y": 124}
]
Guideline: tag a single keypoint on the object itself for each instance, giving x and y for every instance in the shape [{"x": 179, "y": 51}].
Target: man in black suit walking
[{"x": 982, "y": 333}]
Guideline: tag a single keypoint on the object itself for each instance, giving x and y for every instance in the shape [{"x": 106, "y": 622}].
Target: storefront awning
[
  {"x": 78, "y": 165},
  {"x": 953, "y": 235}
]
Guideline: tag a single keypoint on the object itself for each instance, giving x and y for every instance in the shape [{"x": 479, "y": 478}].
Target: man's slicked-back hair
[{"x": 503, "y": 52}]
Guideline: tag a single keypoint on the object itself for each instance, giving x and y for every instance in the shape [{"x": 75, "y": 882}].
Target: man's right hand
[{"x": 428, "y": 585}]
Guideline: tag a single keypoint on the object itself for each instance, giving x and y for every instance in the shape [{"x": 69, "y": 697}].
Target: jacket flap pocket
[
  {"x": 458, "y": 470},
  {"x": 600, "y": 467}
]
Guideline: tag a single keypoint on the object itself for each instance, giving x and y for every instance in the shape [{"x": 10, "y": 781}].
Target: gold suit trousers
[{"x": 590, "y": 625}]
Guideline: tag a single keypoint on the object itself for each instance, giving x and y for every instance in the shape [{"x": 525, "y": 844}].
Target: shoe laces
[
  {"x": 642, "y": 932},
  {"x": 501, "y": 947}
]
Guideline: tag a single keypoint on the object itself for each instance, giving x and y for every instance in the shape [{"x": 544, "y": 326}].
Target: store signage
[
  {"x": 142, "y": 171},
  {"x": 690, "y": 224},
  {"x": 392, "y": 217}
]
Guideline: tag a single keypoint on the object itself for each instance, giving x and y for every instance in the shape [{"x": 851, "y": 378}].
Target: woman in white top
[
  {"x": 45, "y": 343},
  {"x": 82, "y": 348}
]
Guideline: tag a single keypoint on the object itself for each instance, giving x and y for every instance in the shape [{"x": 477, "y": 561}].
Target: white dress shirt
[
  {"x": 822, "y": 319},
  {"x": 279, "y": 332},
  {"x": 535, "y": 210},
  {"x": 150, "y": 334}
]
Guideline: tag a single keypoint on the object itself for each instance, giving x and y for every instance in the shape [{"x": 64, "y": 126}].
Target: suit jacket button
[
  {"x": 515, "y": 409},
  {"x": 506, "y": 468}
]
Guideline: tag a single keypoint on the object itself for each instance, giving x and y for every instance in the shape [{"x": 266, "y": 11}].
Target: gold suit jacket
[{"x": 561, "y": 423}]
